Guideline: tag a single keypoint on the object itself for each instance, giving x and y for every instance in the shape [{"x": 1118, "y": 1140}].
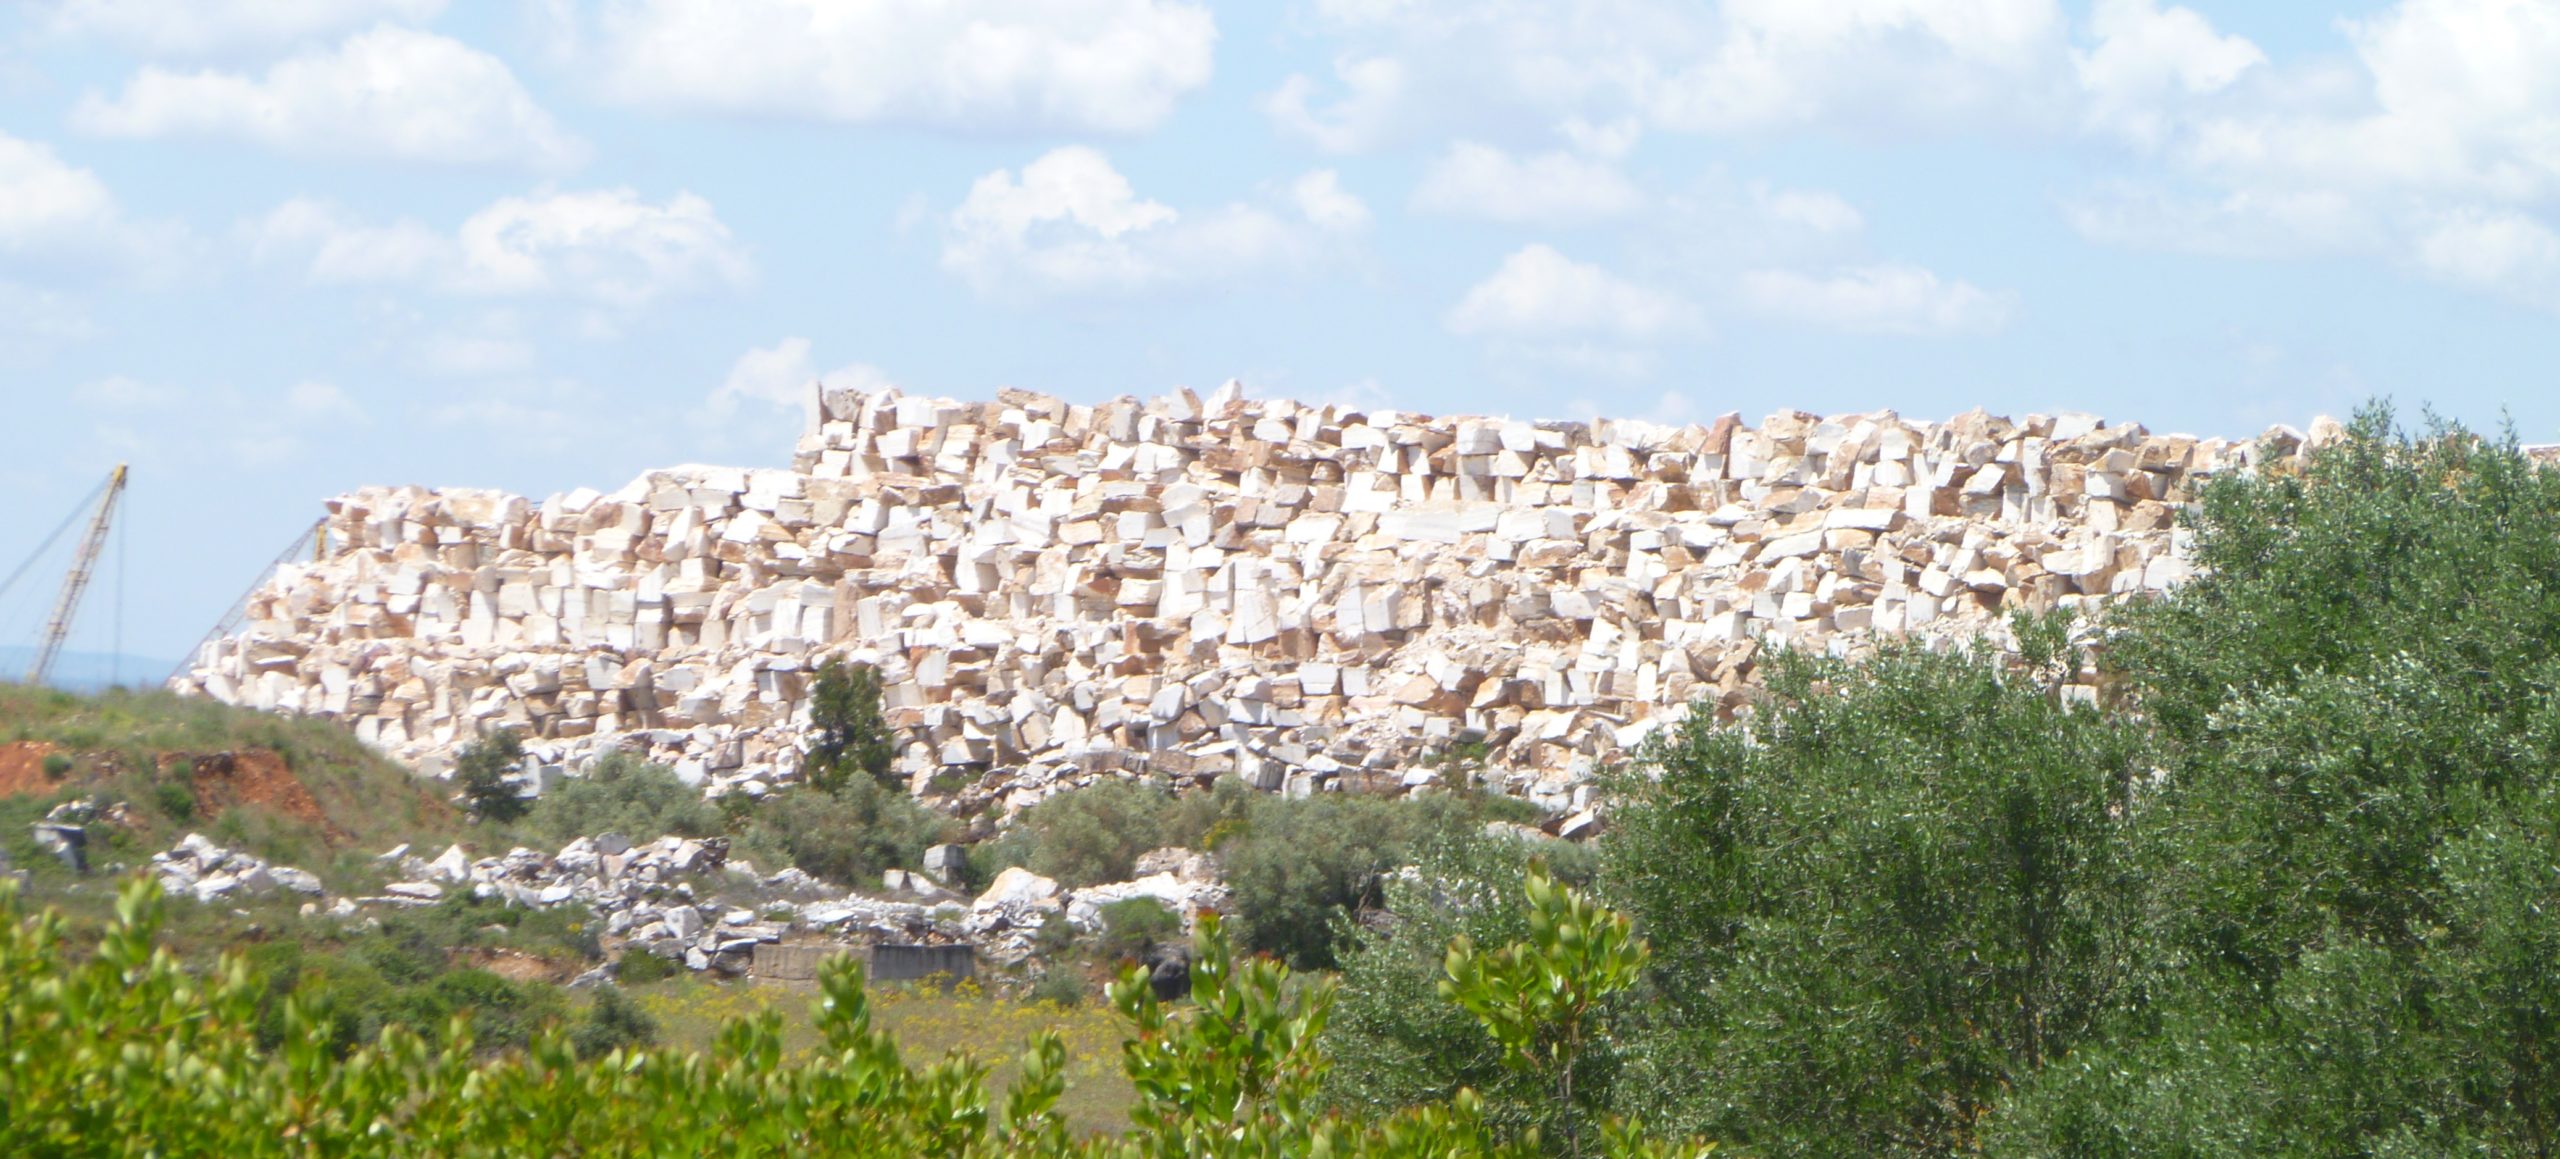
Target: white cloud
[
  {"x": 1071, "y": 223},
  {"x": 1738, "y": 66},
  {"x": 2146, "y": 57},
  {"x": 1812, "y": 209},
  {"x": 1480, "y": 181},
  {"x": 338, "y": 249},
  {"x": 42, "y": 198},
  {"x": 2505, "y": 253},
  {"x": 54, "y": 211},
  {"x": 782, "y": 376},
  {"x": 2435, "y": 147},
  {"x": 207, "y": 27},
  {"x": 1073, "y": 65},
  {"x": 1538, "y": 292},
  {"x": 388, "y": 94},
  {"x": 1778, "y": 63},
  {"x": 2242, "y": 223},
  {"x": 1326, "y": 204},
  {"x": 606, "y": 246},
  {"x": 1881, "y": 299},
  {"x": 1360, "y": 119}
]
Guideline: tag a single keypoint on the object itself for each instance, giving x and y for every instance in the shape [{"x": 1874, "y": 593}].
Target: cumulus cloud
[
  {"x": 213, "y": 27},
  {"x": 1539, "y": 292},
  {"x": 1116, "y": 66},
  {"x": 1778, "y": 63},
  {"x": 1359, "y": 119},
  {"x": 1738, "y": 66},
  {"x": 2146, "y": 58},
  {"x": 42, "y": 198},
  {"x": 2435, "y": 146},
  {"x": 2506, "y": 253},
  {"x": 1817, "y": 210},
  {"x": 52, "y": 211},
  {"x": 782, "y": 375},
  {"x": 391, "y": 93},
  {"x": 1071, "y": 223},
  {"x": 1557, "y": 188},
  {"x": 2239, "y": 223},
  {"x": 606, "y": 246},
  {"x": 1879, "y": 299}
]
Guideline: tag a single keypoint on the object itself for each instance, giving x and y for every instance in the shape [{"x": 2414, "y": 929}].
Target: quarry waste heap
[{"x": 1303, "y": 597}]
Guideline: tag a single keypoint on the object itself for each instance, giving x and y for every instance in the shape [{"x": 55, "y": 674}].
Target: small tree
[
  {"x": 1541, "y": 998},
  {"x": 481, "y": 770},
  {"x": 846, "y": 730}
]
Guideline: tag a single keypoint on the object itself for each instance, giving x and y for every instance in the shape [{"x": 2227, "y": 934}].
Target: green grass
[
  {"x": 928, "y": 1023},
  {"x": 116, "y": 743}
]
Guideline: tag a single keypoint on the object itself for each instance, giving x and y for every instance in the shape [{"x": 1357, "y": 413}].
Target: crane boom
[{"x": 58, "y": 627}]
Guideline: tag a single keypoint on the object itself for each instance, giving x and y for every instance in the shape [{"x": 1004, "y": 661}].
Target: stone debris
[
  {"x": 198, "y": 868},
  {"x": 1303, "y": 597},
  {"x": 683, "y": 899}
]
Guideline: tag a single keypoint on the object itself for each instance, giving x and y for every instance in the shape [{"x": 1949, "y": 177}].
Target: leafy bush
[
  {"x": 481, "y": 769},
  {"x": 2353, "y": 915},
  {"x": 640, "y": 967},
  {"x": 1394, "y": 1042},
  {"x": 847, "y": 734},
  {"x": 1891, "y": 897},
  {"x": 1132, "y": 925},
  {"x": 613, "y": 1022},
  {"x": 57, "y": 766},
  {"x": 1063, "y": 985},
  {"x": 1094, "y": 834},
  {"x": 622, "y": 793},
  {"x": 847, "y": 836},
  {"x": 1297, "y": 865},
  {"x": 177, "y": 802},
  {"x": 1231, "y": 1073},
  {"x": 1301, "y": 867}
]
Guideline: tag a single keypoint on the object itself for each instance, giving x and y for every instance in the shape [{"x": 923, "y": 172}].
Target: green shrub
[
  {"x": 1093, "y": 835},
  {"x": 847, "y": 836},
  {"x": 481, "y": 769},
  {"x": 613, "y": 1022},
  {"x": 57, "y": 766},
  {"x": 622, "y": 793},
  {"x": 2352, "y": 913},
  {"x": 1063, "y": 985},
  {"x": 177, "y": 802},
  {"x": 640, "y": 967},
  {"x": 1394, "y": 1043},
  {"x": 1301, "y": 868},
  {"x": 1131, "y": 925},
  {"x": 847, "y": 735},
  {"x": 1231, "y": 1072},
  {"x": 1890, "y": 898}
]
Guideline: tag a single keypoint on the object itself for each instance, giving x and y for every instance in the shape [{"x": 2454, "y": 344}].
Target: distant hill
[{"x": 89, "y": 671}]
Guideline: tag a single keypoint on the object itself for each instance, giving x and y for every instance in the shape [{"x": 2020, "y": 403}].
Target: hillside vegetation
[
  {"x": 292, "y": 790},
  {"x": 2296, "y": 890},
  {"x": 2289, "y": 885}
]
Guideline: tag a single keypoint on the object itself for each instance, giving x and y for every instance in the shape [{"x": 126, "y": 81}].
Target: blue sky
[{"x": 270, "y": 250}]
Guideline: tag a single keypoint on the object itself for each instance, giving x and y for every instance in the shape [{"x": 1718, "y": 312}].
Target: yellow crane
[{"x": 57, "y": 628}]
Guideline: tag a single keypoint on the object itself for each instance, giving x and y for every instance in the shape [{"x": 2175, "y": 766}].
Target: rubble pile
[
  {"x": 683, "y": 899},
  {"x": 1301, "y": 596},
  {"x": 198, "y": 868}
]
